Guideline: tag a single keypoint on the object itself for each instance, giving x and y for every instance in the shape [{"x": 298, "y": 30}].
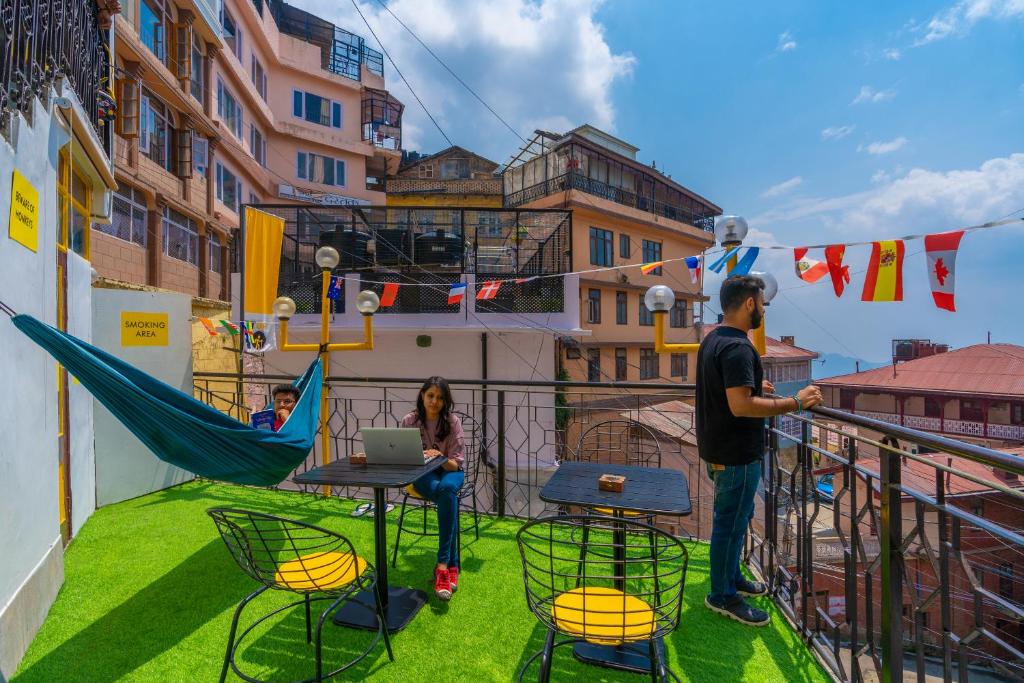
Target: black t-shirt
[{"x": 727, "y": 359}]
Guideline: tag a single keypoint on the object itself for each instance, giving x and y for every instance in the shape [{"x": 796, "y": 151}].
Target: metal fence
[{"x": 907, "y": 561}]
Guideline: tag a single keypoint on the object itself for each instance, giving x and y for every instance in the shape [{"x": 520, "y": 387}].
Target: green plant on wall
[{"x": 561, "y": 409}]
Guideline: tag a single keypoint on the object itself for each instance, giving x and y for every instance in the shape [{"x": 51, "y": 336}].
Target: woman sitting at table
[{"x": 441, "y": 431}]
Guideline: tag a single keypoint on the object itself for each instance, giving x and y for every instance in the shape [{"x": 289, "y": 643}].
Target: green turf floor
[{"x": 150, "y": 590}]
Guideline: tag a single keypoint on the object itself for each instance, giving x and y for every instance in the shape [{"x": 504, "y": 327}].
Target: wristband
[{"x": 799, "y": 404}]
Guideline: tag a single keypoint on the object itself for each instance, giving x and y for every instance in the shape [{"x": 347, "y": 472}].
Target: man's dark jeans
[{"x": 735, "y": 488}]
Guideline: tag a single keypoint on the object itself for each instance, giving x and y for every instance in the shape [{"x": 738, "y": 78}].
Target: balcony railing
[
  {"x": 42, "y": 41},
  {"x": 341, "y": 52},
  {"x": 964, "y": 427},
  {"x": 880, "y": 573},
  {"x": 382, "y": 119},
  {"x": 577, "y": 181},
  {"x": 429, "y": 245}
]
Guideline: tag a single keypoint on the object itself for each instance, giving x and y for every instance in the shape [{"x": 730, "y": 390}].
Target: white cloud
[
  {"x": 958, "y": 19},
  {"x": 892, "y": 54},
  {"x": 536, "y": 62},
  {"x": 783, "y": 187},
  {"x": 786, "y": 42},
  {"x": 880, "y": 176},
  {"x": 869, "y": 94},
  {"x": 836, "y": 132},
  {"x": 884, "y": 147}
]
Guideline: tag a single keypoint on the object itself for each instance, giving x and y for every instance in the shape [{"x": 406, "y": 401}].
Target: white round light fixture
[
  {"x": 771, "y": 285},
  {"x": 284, "y": 308},
  {"x": 730, "y": 231},
  {"x": 367, "y": 302},
  {"x": 659, "y": 298},
  {"x": 327, "y": 257}
]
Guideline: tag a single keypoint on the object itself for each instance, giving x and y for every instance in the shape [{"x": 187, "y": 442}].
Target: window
[
  {"x": 600, "y": 247},
  {"x": 621, "y": 366},
  {"x": 593, "y": 365},
  {"x": 620, "y": 308},
  {"x": 257, "y": 145},
  {"x": 648, "y": 364},
  {"x": 151, "y": 27},
  {"x": 259, "y": 78},
  {"x": 1005, "y": 574},
  {"x": 677, "y": 316},
  {"x": 455, "y": 169},
  {"x": 623, "y": 245},
  {"x": 128, "y": 218},
  {"x": 232, "y": 35},
  {"x": 972, "y": 411},
  {"x": 1017, "y": 413},
  {"x": 679, "y": 364},
  {"x": 425, "y": 170},
  {"x": 572, "y": 352},
  {"x": 316, "y": 109},
  {"x": 74, "y": 205},
  {"x": 216, "y": 254},
  {"x": 229, "y": 188},
  {"x": 594, "y": 306},
  {"x": 156, "y": 133},
  {"x": 652, "y": 253},
  {"x": 197, "y": 84},
  {"x": 181, "y": 240},
  {"x": 932, "y": 407},
  {"x": 321, "y": 169},
  {"x": 228, "y": 109},
  {"x": 646, "y": 317}
]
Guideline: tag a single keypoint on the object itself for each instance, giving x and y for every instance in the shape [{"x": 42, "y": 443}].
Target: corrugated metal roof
[
  {"x": 672, "y": 418},
  {"x": 988, "y": 369},
  {"x": 775, "y": 348}
]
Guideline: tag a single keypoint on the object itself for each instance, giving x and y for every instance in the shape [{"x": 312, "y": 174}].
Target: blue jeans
[
  {"x": 735, "y": 488},
  {"x": 442, "y": 488}
]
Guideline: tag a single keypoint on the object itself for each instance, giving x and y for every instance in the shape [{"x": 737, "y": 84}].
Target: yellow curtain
[{"x": 263, "y": 236}]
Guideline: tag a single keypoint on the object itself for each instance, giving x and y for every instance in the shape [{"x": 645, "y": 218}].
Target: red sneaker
[
  {"x": 442, "y": 585},
  {"x": 453, "y": 578}
]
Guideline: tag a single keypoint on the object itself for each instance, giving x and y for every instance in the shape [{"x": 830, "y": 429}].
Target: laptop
[{"x": 392, "y": 446}]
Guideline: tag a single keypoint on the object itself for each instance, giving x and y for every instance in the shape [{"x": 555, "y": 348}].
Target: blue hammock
[{"x": 179, "y": 429}]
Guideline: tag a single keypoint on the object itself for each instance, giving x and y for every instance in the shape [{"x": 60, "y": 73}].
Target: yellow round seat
[
  {"x": 411, "y": 491},
  {"x": 605, "y": 616},
  {"x": 320, "y": 571},
  {"x": 625, "y": 513}
]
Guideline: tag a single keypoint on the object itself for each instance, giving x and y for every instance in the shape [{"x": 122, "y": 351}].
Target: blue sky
[{"x": 819, "y": 122}]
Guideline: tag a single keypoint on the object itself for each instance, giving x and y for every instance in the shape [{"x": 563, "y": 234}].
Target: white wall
[
  {"x": 125, "y": 468},
  {"x": 80, "y": 401},
  {"x": 31, "y": 569}
]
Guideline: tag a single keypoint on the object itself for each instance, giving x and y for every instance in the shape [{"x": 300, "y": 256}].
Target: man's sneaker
[
  {"x": 751, "y": 589},
  {"x": 453, "y": 578},
  {"x": 442, "y": 585},
  {"x": 739, "y": 610}
]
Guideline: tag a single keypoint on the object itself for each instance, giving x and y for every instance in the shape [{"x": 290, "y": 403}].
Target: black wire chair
[
  {"x": 286, "y": 555},
  {"x": 630, "y": 593},
  {"x": 471, "y": 465}
]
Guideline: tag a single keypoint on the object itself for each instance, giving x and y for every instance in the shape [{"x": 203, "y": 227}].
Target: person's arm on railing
[{"x": 742, "y": 402}]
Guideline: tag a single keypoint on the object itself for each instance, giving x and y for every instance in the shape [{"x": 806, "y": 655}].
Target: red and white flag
[
  {"x": 941, "y": 250},
  {"x": 387, "y": 297},
  {"x": 807, "y": 269},
  {"x": 489, "y": 290},
  {"x": 456, "y": 293},
  {"x": 840, "y": 274}
]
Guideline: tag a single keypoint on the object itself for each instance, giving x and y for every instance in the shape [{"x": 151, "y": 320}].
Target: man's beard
[{"x": 755, "y": 319}]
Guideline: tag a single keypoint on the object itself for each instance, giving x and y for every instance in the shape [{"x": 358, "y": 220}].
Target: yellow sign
[
  {"x": 143, "y": 329},
  {"x": 24, "y": 212}
]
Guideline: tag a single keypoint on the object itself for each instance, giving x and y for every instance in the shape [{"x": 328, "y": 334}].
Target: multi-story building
[
  {"x": 624, "y": 213},
  {"x": 975, "y": 393},
  {"x": 56, "y": 178},
  {"x": 454, "y": 176}
]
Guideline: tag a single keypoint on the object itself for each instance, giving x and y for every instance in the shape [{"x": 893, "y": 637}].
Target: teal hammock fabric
[{"x": 179, "y": 429}]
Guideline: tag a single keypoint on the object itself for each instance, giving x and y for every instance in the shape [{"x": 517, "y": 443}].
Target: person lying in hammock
[{"x": 285, "y": 398}]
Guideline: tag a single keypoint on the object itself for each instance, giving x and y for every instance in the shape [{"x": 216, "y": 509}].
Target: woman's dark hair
[
  {"x": 443, "y": 425},
  {"x": 737, "y": 289}
]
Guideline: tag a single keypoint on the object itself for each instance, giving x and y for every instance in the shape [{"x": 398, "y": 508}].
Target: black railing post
[
  {"x": 944, "y": 578},
  {"x": 805, "y": 544},
  {"x": 891, "y": 535},
  {"x": 850, "y": 559},
  {"x": 501, "y": 453},
  {"x": 771, "y": 503}
]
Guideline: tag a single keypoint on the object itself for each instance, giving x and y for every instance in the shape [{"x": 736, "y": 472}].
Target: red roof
[
  {"x": 775, "y": 348},
  {"x": 988, "y": 369},
  {"x": 920, "y": 476}
]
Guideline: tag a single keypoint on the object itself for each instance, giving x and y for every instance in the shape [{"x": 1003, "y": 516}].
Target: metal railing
[
  {"x": 906, "y": 562},
  {"x": 572, "y": 180},
  {"x": 42, "y": 41}
]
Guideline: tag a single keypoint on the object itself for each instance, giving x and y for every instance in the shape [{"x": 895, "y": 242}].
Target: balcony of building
[
  {"x": 341, "y": 52},
  {"x": 885, "y": 572},
  {"x": 552, "y": 164}
]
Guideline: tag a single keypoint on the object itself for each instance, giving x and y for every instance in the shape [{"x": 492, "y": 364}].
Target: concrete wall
[
  {"x": 80, "y": 401},
  {"x": 124, "y": 467},
  {"x": 32, "y": 569}
]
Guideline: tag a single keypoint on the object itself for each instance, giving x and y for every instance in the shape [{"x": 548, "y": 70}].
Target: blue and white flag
[
  {"x": 717, "y": 266},
  {"x": 745, "y": 263},
  {"x": 334, "y": 288}
]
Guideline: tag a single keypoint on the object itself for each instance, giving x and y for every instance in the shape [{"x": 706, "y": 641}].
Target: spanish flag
[
  {"x": 884, "y": 281},
  {"x": 648, "y": 267}
]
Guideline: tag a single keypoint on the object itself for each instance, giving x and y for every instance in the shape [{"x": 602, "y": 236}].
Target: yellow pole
[
  {"x": 659, "y": 338},
  {"x": 325, "y": 358},
  {"x": 759, "y": 341}
]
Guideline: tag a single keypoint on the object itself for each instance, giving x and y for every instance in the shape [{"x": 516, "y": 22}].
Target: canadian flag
[
  {"x": 941, "y": 250},
  {"x": 489, "y": 290},
  {"x": 807, "y": 269}
]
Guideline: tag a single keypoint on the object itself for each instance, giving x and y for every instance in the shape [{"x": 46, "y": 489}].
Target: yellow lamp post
[
  {"x": 659, "y": 300},
  {"x": 367, "y": 303},
  {"x": 730, "y": 231},
  {"x": 771, "y": 288}
]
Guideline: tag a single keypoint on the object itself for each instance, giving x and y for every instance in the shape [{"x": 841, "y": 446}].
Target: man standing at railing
[{"x": 730, "y": 413}]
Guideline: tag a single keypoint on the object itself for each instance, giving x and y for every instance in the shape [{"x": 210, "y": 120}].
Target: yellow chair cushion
[
  {"x": 603, "y": 615},
  {"x": 625, "y": 513},
  {"x": 320, "y": 571},
  {"x": 411, "y": 491}
]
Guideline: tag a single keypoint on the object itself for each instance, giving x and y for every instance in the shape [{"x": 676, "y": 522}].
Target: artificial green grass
[{"x": 150, "y": 590}]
